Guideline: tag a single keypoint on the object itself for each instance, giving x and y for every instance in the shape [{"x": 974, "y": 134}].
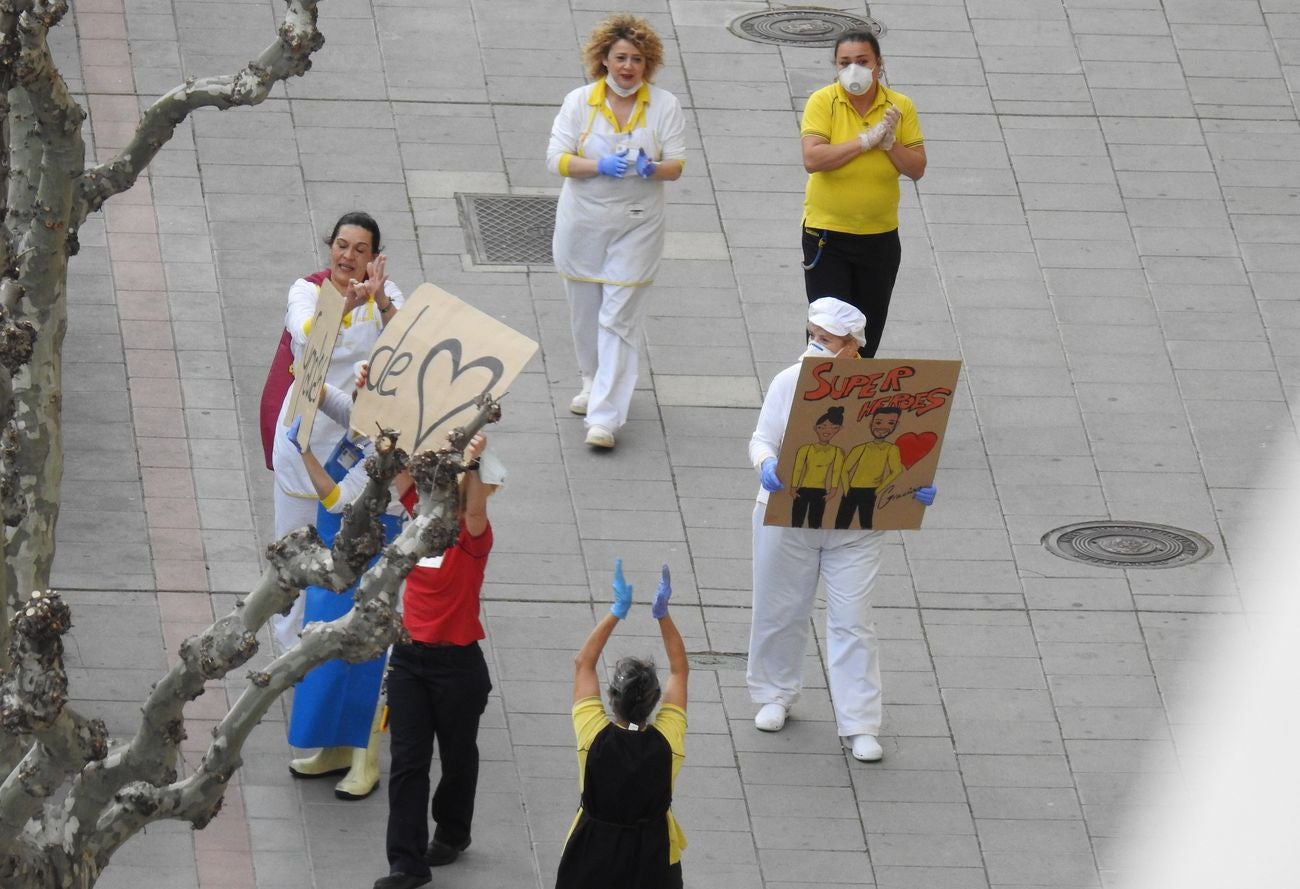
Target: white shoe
[
  {"x": 579, "y": 403},
  {"x": 600, "y": 437},
  {"x": 866, "y": 748},
  {"x": 770, "y": 718}
]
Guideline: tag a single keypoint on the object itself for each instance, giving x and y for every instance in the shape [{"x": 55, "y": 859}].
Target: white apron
[{"x": 607, "y": 230}]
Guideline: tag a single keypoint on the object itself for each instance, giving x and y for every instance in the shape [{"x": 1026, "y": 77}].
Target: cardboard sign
[
  {"x": 434, "y": 358},
  {"x": 309, "y": 371},
  {"x": 863, "y": 436}
]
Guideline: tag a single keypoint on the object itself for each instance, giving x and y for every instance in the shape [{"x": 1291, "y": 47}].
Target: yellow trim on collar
[{"x": 597, "y": 98}]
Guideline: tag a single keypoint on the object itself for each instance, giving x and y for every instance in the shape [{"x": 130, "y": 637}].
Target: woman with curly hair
[{"x": 615, "y": 141}]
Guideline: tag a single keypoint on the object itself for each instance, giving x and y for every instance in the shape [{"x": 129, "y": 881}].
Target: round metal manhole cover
[
  {"x": 801, "y": 26},
  {"x": 1127, "y": 544},
  {"x": 716, "y": 660}
]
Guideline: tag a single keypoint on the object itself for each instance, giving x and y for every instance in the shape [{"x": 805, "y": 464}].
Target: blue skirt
[{"x": 334, "y": 704}]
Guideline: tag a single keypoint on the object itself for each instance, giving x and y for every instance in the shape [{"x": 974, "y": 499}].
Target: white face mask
[
  {"x": 816, "y": 350},
  {"x": 618, "y": 90},
  {"x": 856, "y": 78}
]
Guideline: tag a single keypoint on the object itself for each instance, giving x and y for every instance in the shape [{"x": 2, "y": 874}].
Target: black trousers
[
  {"x": 810, "y": 503},
  {"x": 861, "y": 499},
  {"x": 434, "y": 693},
  {"x": 859, "y": 269}
]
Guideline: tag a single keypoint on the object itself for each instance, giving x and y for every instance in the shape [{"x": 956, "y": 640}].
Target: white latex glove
[
  {"x": 892, "y": 114},
  {"x": 874, "y": 135}
]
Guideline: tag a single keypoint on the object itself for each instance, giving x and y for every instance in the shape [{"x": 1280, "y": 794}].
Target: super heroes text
[{"x": 875, "y": 390}]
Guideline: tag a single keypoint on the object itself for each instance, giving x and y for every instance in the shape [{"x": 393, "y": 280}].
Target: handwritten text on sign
[
  {"x": 434, "y": 359},
  {"x": 309, "y": 371}
]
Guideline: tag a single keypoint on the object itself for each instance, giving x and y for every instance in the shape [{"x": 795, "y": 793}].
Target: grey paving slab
[{"x": 1085, "y": 222}]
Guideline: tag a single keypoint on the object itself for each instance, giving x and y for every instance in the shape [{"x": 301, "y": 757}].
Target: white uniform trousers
[
  {"x": 787, "y": 564},
  {"x": 606, "y": 320},
  {"x": 291, "y": 513}
]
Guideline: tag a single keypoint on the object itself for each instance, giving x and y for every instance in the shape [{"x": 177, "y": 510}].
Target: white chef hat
[{"x": 838, "y": 317}]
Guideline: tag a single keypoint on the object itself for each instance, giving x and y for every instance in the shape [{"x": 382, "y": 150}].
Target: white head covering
[{"x": 838, "y": 317}]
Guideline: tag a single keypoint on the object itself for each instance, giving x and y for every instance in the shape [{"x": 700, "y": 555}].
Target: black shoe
[
  {"x": 441, "y": 853},
  {"x": 402, "y": 881}
]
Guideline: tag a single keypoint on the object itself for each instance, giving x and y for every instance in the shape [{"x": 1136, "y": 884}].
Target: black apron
[{"x": 621, "y": 838}]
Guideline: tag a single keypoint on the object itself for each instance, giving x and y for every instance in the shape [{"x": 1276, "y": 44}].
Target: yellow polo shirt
[
  {"x": 861, "y": 197},
  {"x": 589, "y": 720}
]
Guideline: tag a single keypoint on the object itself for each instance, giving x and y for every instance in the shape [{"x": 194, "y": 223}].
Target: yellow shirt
[
  {"x": 589, "y": 719},
  {"x": 861, "y": 197},
  {"x": 873, "y": 464},
  {"x": 817, "y": 466}
]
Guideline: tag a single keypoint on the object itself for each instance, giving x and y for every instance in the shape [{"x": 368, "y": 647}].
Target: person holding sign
[
  {"x": 789, "y": 561},
  {"x": 438, "y": 687},
  {"x": 357, "y": 271},
  {"x": 615, "y": 141},
  {"x": 857, "y": 137},
  {"x": 335, "y": 706},
  {"x": 624, "y": 833}
]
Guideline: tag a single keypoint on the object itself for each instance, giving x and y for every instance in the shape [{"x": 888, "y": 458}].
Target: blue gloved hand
[
  {"x": 662, "y": 595},
  {"x": 613, "y": 164},
  {"x": 622, "y": 592},
  {"x": 292, "y": 433},
  {"x": 769, "y": 478},
  {"x": 926, "y": 494},
  {"x": 645, "y": 168}
]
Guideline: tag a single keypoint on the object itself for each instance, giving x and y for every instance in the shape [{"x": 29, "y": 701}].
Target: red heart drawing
[{"x": 912, "y": 447}]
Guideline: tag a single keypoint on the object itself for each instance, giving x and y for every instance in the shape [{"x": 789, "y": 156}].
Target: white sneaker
[
  {"x": 579, "y": 403},
  {"x": 770, "y": 718},
  {"x": 600, "y": 437},
  {"x": 866, "y": 748}
]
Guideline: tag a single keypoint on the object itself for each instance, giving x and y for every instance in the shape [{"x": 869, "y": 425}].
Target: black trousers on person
[
  {"x": 859, "y": 269},
  {"x": 809, "y": 503},
  {"x": 434, "y": 693},
  {"x": 863, "y": 500}
]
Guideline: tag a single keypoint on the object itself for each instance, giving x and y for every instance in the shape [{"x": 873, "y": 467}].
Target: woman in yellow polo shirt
[{"x": 858, "y": 135}]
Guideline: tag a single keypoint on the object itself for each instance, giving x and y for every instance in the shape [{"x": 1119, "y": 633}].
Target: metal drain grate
[
  {"x": 717, "y": 660},
  {"x": 1127, "y": 544},
  {"x": 801, "y": 26},
  {"x": 508, "y": 229}
]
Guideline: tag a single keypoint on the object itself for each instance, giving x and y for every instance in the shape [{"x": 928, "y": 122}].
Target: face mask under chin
[{"x": 618, "y": 90}]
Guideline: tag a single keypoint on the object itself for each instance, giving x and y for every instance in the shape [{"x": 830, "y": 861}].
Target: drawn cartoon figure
[
  {"x": 817, "y": 470},
  {"x": 869, "y": 467}
]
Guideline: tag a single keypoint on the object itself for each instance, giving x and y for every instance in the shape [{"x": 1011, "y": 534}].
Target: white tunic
[
  {"x": 357, "y": 336},
  {"x": 611, "y": 230}
]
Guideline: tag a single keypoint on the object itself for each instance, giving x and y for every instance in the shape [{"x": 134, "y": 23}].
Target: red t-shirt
[{"x": 442, "y": 604}]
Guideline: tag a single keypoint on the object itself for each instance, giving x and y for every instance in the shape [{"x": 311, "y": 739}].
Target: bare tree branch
[{"x": 289, "y": 56}]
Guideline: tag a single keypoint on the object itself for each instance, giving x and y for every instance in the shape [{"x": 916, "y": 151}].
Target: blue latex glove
[
  {"x": 613, "y": 164},
  {"x": 622, "y": 592},
  {"x": 662, "y": 595},
  {"x": 926, "y": 494},
  {"x": 769, "y": 479},
  {"x": 645, "y": 168},
  {"x": 292, "y": 433}
]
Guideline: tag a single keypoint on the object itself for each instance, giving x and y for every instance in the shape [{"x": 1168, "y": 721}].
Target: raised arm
[
  {"x": 586, "y": 683},
  {"x": 476, "y": 493},
  {"x": 679, "y": 668}
]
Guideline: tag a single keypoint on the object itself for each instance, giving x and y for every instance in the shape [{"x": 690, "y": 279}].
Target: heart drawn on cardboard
[
  {"x": 913, "y": 446},
  {"x": 459, "y": 378}
]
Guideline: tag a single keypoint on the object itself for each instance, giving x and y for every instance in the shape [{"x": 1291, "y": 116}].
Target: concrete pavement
[{"x": 1106, "y": 236}]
